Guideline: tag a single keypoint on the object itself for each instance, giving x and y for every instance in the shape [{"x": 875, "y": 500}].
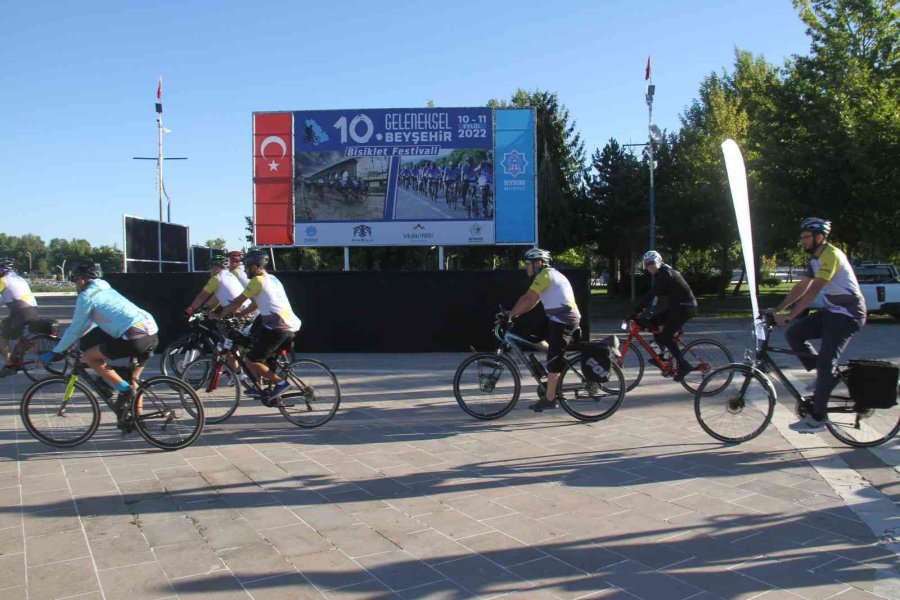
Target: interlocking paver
[{"x": 403, "y": 496}]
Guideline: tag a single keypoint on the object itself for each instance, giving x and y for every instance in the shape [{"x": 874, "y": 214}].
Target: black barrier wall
[{"x": 370, "y": 311}]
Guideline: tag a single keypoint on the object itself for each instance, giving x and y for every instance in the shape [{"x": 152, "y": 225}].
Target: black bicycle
[
  {"x": 487, "y": 384},
  {"x": 311, "y": 401},
  {"x": 201, "y": 341},
  {"x": 735, "y": 403},
  {"x": 63, "y": 411}
]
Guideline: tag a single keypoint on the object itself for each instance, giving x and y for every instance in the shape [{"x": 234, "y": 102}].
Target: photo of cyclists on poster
[
  {"x": 329, "y": 186},
  {"x": 455, "y": 184}
]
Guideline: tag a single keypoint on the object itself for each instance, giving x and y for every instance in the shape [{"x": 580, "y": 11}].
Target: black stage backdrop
[{"x": 371, "y": 311}]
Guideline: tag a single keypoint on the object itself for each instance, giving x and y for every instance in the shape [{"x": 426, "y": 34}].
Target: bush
[
  {"x": 770, "y": 281},
  {"x": 707, "y": 283}
]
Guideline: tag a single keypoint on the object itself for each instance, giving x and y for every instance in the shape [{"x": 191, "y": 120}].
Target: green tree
[
  {"x": 30, "y": 252},
  {"x": 217, "y": 243},
  {"x": 109, "y": 257}
]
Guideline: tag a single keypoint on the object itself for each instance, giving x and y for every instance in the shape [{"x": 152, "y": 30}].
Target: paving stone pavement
[{"x": 402, "y": 495}]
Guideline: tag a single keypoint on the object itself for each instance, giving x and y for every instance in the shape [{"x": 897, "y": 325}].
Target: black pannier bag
[
  {"x": 45, "y": 326},
  {"x": 595, "y": 358},
  {"x": 873, "y": 383}
]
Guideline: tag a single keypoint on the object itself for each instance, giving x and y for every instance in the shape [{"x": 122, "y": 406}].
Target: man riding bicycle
[
  {"x": 843, "y": 315},
  {"x": 235, "y": 258},
  {"x": 277, "y": 318},
  {"x": 682, "y": 308},
  {"x": 223, "y": 286},
  {"x": 16, "y": 295},
  {"x": 109, "y": 326},
  {"x": 553, "y": 289}
]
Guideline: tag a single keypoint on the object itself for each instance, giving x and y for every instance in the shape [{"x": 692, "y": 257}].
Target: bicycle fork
[{"x": 67, "y": 395}]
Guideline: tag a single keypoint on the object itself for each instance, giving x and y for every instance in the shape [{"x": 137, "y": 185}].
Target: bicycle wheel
[
  {"x": 706, "y": 355},
  {"x": 487, "y": 385},
  {"x": 314, "y": 395},
  {"x": 167, "y": 413},
  {"x": 586, "y": 400},
  {"x": 632, "y": 365},
  {"x": 35, "y": 345},
  {"x": 741, "y": 406},
  {"x": 216, "y": 384},
  {"x": 179, "y": 354},
  {"x": 52, "y": 419},
  {"x": 860, "y": 427}
]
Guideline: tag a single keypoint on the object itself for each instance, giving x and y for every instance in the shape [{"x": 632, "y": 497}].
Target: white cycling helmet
[
  {"x": 538, "y": 254},
  {"x": 652, "y": 256}
]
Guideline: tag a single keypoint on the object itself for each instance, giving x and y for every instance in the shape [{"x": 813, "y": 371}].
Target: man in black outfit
[{"x": 681, "y": 309}]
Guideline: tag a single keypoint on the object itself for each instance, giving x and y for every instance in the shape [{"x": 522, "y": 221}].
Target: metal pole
[
  {"x": 440, "y": 258},
  {"x": 159, "y": 182},
  {"x": 650, "y": 90},
  {"x": 346, "y": 258}
]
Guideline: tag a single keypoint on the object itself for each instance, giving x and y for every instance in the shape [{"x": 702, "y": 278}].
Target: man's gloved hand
[
  {"x": 189, "y": 311},
  {"x": 50, "y": 357}
]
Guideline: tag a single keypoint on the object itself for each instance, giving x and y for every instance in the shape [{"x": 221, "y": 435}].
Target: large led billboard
[{"x": 391, "y": 177}]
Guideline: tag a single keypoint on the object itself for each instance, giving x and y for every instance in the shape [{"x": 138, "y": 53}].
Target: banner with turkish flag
[{"x": 273, "y": 165}]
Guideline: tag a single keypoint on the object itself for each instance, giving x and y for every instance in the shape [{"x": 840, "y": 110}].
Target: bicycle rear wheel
[
  {"x": 167, "y": 413},
  {"x": 314, "y": 396},
  {"x": 586, "y": 400},
  {"x": 487, "y": 385},
  {"x": 55, "y": 420},
  {"x": 216, "y": 384},
  {"x": 632, "y": 365},
  {"x": 35, "y": 345},
  {"x": 860, "y": 427},
  {"x": 706, "y": 355},
  {"x": 734, "y": 403}
]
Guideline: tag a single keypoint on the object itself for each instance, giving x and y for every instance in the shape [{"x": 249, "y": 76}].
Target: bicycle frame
[
  {"x": 634, "y": 333},
  {"x": 510, "y": 343}
]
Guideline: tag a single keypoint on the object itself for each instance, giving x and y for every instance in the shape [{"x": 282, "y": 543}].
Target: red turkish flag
[
  {"x": 273, "y": 187},
  {"x": 159, "y": 90},
  {"x": 647, "y": 72}
]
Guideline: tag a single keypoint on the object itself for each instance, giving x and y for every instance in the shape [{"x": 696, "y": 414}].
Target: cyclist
[
  {"x": 843, "y": 315},
  {"x": 109, "y": 326},
  {"x": 451, "y": 174},
  {"x": 468, "y": 178},
  {"x": 553, "y": 289},
  {"x": 278, "y": 321},
  {"x": 485, "y": 171},
  {"x": 681, "y": 309},
  {"x": 235, "y": 258},
  {"x": 16, "y": 295},
  {"x": 220, "y": 290}
]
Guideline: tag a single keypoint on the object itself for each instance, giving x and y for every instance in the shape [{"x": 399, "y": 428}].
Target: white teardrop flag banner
[{"x": 737, "y": 180}]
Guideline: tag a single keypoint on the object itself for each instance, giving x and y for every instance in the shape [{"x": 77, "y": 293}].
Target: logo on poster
[
  {"x": 313, "y": 133},
  {"x": 514, "y": 163},
  {"x": 419, "y": 232},
  {"x": 476, "y": 233},
  {"x": 362, "y": 233},
  {"x": 311, "y": 231}
]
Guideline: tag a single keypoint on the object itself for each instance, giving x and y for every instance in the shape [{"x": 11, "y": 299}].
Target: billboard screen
[
  {"x": 388, "y": 177},
  {"x": 142, "y": 253}
]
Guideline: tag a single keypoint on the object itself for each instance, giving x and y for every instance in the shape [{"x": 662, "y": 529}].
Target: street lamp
[
  {"x": 655, "y": 137},
  {"x": 29, "y": 260}
]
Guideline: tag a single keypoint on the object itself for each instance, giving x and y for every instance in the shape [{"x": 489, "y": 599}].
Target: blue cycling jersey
[
  {"x": 468, "y": 173},
  {"x": 99, "y": 305}
]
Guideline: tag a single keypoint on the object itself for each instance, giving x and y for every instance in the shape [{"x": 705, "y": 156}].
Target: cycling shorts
[{"x": 12, "y": 326}]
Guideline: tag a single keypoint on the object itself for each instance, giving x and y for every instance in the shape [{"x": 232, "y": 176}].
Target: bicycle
[
  {"x": 201, "y": 340},
  {"x": 63, "y": 411},
  {"x": 742, "y": 401},
  {"x": 705, "y": 354},
  {"x": 313, "y": 401},
  {"x": 490, "y": 398},
  {"x": 38, "y": 336}
]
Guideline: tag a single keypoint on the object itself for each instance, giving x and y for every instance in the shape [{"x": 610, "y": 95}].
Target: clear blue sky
[{"x": 79, "y": 82}]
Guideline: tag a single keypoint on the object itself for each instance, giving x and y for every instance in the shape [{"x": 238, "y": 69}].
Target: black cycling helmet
[
  {"x": 6, "y": 265},
  {"x": 260, "y": 259},
  {"x": 816, "y": 225},
  {"x": 85, "y": 270}
]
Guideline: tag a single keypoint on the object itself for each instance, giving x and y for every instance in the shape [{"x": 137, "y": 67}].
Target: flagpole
[
  {"x": 159, "y": 170},
  {"x": 651, "y": 89}
]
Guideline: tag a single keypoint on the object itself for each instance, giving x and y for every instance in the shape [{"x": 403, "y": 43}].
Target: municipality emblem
[{"x": 514, "y": 163}]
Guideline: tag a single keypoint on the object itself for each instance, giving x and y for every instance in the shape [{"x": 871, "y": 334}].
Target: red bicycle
[{"x": 705, "y": 354}]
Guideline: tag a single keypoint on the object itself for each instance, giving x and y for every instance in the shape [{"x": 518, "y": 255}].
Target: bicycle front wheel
[
  {"x": 167, "y": 413},
  {"x": 632, "y": 365},
  {"x": 57, "y": 418},
  {"x": 707, "y": 356},
  {"x": 856, "y": 426},
  {"x": 314, "y": 395},
  {"x": 734, "y": 403},
  {"x": 587, "y": 400},
  {"x": 216, "y": 384},
  {"x": 178, "y": 355},
  {"x": 487, "y": 385}
]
